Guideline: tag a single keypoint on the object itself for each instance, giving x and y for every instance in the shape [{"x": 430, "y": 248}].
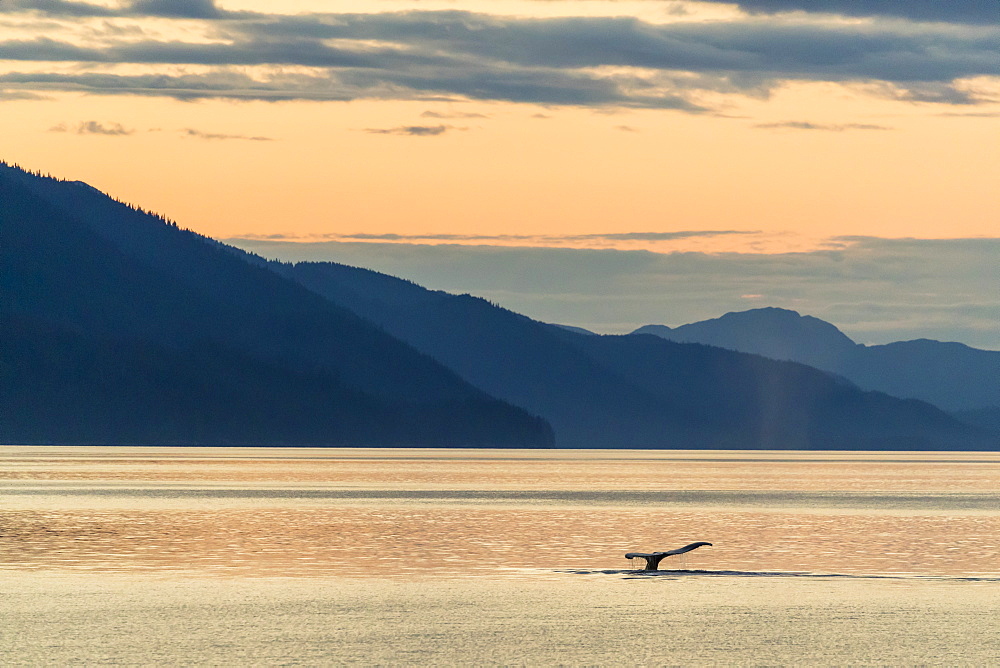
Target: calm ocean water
[{"x": 333, "y": 556}]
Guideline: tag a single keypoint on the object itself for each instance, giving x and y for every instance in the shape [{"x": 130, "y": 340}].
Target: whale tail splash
[{"x": 653, "y": 559}]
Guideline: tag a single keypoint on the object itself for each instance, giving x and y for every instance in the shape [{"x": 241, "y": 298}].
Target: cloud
[
  {"x": 876, "y": 290},
  {"x": 215, "y": 85},
  {"x": 828, "y": 127},
  {"x": 185, "y": 9},
  {"x": 95, "y": 128},
  {"x": 651, "y": 236},
  {"x": 550, "y": 240},
  {"x": 985, "y": 12},
  {"x": 212, "y": 136},
  {"x": 57, "y": 8},
  {"x": 452, "y": 114},
  {"x": 117, "y": 129},
  {"x": 598, "y": 62},
  {"x": 14, "y": 95},
  {"x": 193, "y": 9},
  {"x": 790, "y": 50},
  {"x": 971, "y": 114},
  {"x": 413, "y": 130}
]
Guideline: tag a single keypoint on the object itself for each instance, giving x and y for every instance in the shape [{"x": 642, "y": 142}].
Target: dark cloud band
[
  {"x": 597, "y": 62},
  {"x": 525, "y": 239},
  {"x": 413, "y": 130},
  {"x": 985, "y": 12},
  {"x": 877, "y": 290},
  {"x": 827, "y": 127}
]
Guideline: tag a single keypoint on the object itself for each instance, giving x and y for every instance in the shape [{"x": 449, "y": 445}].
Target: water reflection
[
  {"x": 681, "y": 573},
  {"x": 403, "y": 514},
  {"x": 589, "y": 470}
]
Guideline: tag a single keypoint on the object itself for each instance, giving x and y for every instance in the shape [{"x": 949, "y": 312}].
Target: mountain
[
  {"x": 771, "y": 332},
  {"x": 117, "y": 326},
  {"x": 506, "y": 354},
  {"x": 634, "y": 391},
  {"x": 578, "y": 330},
  {"x": 950, "y": 375},
  {"x": 983, "y": 418}
]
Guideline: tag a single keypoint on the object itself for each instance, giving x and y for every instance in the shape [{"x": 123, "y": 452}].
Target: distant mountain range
[
  {"x": 950, "y": 375},
  {"x": 634, "y": 391},
  {"x": 119, "y": 327}
]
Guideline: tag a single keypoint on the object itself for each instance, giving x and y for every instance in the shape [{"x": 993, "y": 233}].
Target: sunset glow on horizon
[{"x": 593, "y": 124}]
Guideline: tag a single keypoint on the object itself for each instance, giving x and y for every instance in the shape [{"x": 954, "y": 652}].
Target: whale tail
[{"x": 653, "y": 559}]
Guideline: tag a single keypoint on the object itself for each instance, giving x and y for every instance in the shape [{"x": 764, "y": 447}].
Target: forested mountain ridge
[
  {"x": 120, "y": 327},
  {"x": 636, "y": 391},
  {"x": 950, "y": 375},
  {"x": 182, "y": 322}
]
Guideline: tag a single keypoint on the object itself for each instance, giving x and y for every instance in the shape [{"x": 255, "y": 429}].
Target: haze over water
[{"x": 313, "y": 556}]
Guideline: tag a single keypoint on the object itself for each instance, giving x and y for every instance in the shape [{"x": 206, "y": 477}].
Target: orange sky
[{"x": 794, "y": 161}]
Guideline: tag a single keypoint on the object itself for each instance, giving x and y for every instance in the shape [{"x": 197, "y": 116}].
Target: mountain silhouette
[
  {"x": 118, "y": 326},
  {"x": 634, "y": 391},
  {"x": 771, "y": 332},
  {"x": 950, "y": 375}
]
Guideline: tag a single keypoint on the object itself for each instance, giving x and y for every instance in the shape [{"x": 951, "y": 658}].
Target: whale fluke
[{"x": 653, "y": 559}]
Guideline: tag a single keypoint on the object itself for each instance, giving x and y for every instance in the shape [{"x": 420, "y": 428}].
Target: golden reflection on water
[
  {"x": 402, "y": 539},
  {"x": 512, "y": 470},
  {"x": 205, "y": 510}
]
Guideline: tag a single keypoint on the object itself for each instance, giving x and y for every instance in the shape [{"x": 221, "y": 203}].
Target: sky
[{"x": 602, "y": 163}]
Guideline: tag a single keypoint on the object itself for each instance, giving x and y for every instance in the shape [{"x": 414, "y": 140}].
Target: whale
[{"x": 653, "y": 559}]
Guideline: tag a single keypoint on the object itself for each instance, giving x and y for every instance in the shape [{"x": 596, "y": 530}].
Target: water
[{"x": 316, "y": 557}]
